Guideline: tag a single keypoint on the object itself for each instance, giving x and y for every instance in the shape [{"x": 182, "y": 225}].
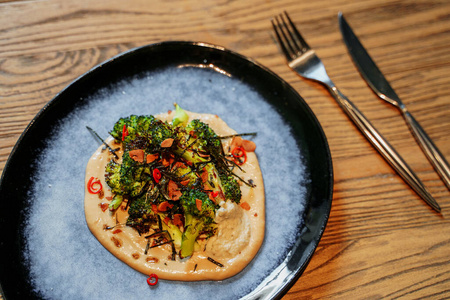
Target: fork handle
[
  {"x": 432, "y": 152},
  {"x": 383, "y": 147}
]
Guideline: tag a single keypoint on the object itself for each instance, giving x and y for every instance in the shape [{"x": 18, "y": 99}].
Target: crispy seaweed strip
[
  {"x": 107, "y": 146},
  {"x": 250, "y": 184},
  {"x": 188, "y": 146},
  {"x": 215, "y": 262},
  {"x": 159, "y": 222},
  {"x": 174, "y": 251},
  {"x": 128, "y": 204},
  {"x": 147, "y": 247},
  {"x": 238, "y": 134},
  {"x": 106, "y": 227},
  {"x": 157, "y": 245},
  {"x": 170, "y": 241},
  {"x": 157, "y": 233}
]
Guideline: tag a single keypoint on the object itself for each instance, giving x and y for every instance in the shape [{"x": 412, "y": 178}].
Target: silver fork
[{"x": 302, "y": 59}]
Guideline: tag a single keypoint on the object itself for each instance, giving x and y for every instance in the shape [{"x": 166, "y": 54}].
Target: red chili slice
[
  {"x": 199, "y": 203},
  {"x": 124, "y": 132},
  {"x": 94, "y": 187},
  {"x": 164, "y": 206},
  {"x": 152, "y": 279},
  {"x": 239, "y": 155},
  {"x": 238, "y": 152},
  {"x": 156, "y": 175}
]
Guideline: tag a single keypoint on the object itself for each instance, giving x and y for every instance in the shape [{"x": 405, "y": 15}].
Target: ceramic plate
[{"x": 25, "y": 163}]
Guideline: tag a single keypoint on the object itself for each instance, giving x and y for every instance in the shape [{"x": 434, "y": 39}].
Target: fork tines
[{"x": 289, "y": 38}]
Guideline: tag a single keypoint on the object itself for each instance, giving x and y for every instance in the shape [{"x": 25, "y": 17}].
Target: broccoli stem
[
  {"x": 175, "y": 233},
  {"x": 192, "y": 230},
  {"x": 181, "y": 117}
]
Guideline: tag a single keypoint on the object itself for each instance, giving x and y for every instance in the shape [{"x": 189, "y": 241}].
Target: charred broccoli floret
[
  {"x": 199, "y": 212},
  {"x": 222, "y": 185},
  {"x": 133, "y": 176},
  {"x": 231, "y": 188},
  {"x": 141, "y": 216},
  {"x": 206, "y": 139},
  {"x": 197, "y": 143},
  {"x": 185, "y": 175},
  {"x": 131, "y": 127},
  {"x": 153, "y": 211},
  {"x": 112, "y": 177},
  {"x": 141, "y": 132},
  {"x": 172, "y": 175}
]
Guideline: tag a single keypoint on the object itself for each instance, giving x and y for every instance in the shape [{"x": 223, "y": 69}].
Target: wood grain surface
[{"x": 381, "y": 241}]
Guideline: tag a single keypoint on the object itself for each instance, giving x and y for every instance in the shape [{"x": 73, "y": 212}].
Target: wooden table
[{"x": 381, "y": 241}]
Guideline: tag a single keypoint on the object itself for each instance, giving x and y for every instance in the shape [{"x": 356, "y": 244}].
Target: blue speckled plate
[{"x": 16, "y": 177}]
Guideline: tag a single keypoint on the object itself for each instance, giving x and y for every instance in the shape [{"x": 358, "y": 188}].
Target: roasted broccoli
[
  {"x": 112, "y": 177},
  {"x": 173, "y": 176},
  {"x": 141, "y": 216},
  {"x": 127, "y": 178},
  {"x": 230, "y": 187},
  {"x": 181, "y": 117},
  {"x": 199, "y": 212},
  {"x": 141, "y": 132},
  {"x": 153, "y": 211},
  {"x": 206, "y": 139},
  {"x": 185, "y": 175}
]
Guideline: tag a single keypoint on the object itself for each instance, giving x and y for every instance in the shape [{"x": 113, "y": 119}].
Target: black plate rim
[{"x": 294, "y": 276}]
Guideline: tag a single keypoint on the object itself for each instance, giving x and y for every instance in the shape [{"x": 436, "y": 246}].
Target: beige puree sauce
[{"x": 240, "y": 231}]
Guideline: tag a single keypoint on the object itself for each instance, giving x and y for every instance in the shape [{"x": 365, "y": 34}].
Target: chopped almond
[
  {"x": 185, "y": 182},
  {"x": 167, "y": 143},
  {"x": 179, "y": 164},
  {"x": 199, "y": 203},
  {"x": 152, "y": 157},
  {"x": 164, "y": 206},
  {"x": 177, "y": 220},
  {"x": 154, "y": 208},
  {"x": 174, "y": 191},
  {"x": 137, "y": 155},
  {"x": 167, "y": 160},
  {"x": 236, "y": 142},
  {"x": 245, "y": 205},
  {"x": 248, "y": 146},
  {"x": 103, "y": 206},
  {"x": 204, "y": 175}
]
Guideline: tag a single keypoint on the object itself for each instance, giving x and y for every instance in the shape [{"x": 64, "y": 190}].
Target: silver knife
[
  {"x": 402, "y": 169},
  {"x": 378, "y": 83}
]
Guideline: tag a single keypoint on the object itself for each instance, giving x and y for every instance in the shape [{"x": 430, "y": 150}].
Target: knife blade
[{"x": 381, "y": 87}]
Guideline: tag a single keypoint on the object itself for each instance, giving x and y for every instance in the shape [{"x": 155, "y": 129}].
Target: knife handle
[
  {"x": 432, "y": 152},
  {"x": 383, "y": 147}
]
